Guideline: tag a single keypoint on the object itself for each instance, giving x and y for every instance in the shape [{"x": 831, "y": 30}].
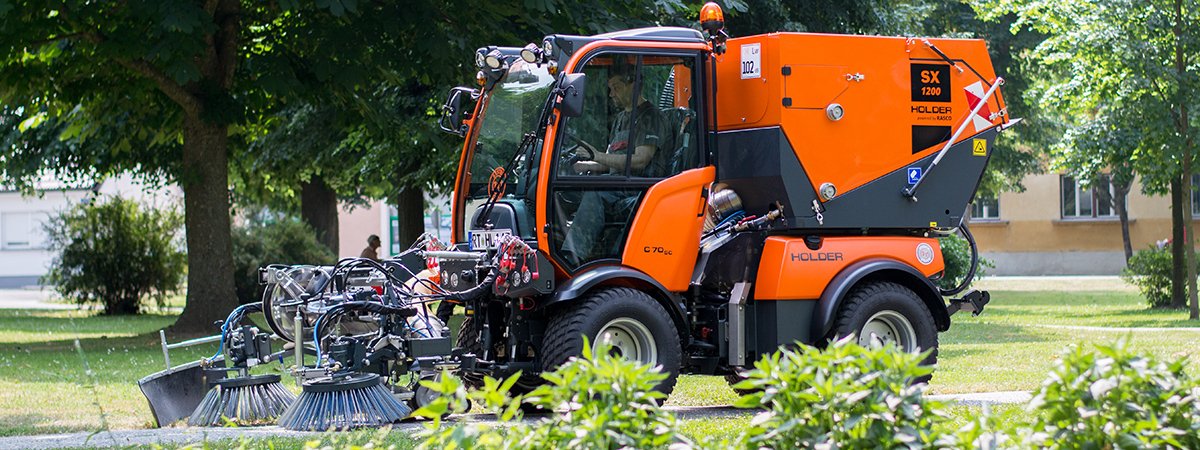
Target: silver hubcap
[
  {"x": 888, "y": 327},
  {"x": 629, "y": 339}
]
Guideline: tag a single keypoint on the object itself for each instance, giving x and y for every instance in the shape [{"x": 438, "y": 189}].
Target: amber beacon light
[{"x": 712, "y": 18}]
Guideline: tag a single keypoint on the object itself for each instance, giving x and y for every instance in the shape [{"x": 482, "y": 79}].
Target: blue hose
[
  {"x": 735, "y": 216},
  {"x": 225, "y": 328}
]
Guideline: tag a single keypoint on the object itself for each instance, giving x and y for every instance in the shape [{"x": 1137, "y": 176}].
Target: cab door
[{"x": 647, "y": 213}]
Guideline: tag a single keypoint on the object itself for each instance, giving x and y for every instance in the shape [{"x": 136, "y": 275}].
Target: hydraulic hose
[{"x": 966, "y": 281}]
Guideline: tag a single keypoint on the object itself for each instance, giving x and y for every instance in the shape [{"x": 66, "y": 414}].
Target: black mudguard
[
  {"x": 876, "y": 269},
  {"x": 575, "y": 289}
]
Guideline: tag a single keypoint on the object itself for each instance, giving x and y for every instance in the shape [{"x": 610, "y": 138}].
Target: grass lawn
[{"x": 1010, "y": 347}]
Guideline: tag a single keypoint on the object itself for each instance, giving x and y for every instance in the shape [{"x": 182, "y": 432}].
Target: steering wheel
[{"x": 577, "y": 151}]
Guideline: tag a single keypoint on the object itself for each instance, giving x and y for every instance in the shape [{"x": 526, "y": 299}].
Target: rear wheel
[
  {"x": 882, "y": 312},
  {"x": 636, "y": 327}
]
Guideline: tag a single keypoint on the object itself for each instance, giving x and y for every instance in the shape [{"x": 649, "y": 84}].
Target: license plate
[{"x": 486, "y": 239}]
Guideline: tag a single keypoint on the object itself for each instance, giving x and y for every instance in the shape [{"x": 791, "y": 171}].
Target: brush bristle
[
  {"x": 248, "y": 401},
  {"x": 358, "y": 402}
]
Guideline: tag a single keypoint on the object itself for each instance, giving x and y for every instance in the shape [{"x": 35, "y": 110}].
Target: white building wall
[{"x": 24, "y": 257}]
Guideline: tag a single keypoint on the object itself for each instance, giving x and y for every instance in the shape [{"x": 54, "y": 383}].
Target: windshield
[{"x": 512, "y": 109}]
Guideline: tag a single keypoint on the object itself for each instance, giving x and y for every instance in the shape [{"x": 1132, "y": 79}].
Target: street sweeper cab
[
  {"x": 700, "y": 201},
  {"x": 693, "y": 201}
]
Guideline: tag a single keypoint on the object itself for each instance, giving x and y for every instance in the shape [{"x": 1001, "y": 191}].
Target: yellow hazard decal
[
  {"x": 979, "y": 147},
  {"x": 932, "y": 224}
]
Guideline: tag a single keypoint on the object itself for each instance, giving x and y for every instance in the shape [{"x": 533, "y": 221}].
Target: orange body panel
[
  {"x": 872, "y": 78},
  {"x": 664, "y": 239},
  {"x": 790, "y": 271}
]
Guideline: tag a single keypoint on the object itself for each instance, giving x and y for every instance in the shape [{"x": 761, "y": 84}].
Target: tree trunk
[
  {"x": 1178, "y": 269},
  {"x": 1120, "y": 192},
  {"x": 210, "y": 293},
  {"x": 410, "y": 215},
  {"x": 318, "y": 208},
  {"x": 1189, "y": 242},
  {"x": 1184, "y": 128}
]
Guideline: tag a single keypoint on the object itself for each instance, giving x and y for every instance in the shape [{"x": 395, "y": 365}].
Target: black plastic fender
[
  {"x": 617, "y": 275},
  {"x": 876, "y": 269}
]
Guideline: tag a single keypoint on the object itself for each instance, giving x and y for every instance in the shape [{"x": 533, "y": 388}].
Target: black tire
[
  {"x": 615, "y": 308},
  {"x": 468, "y": 340},
  {"x": 889, "y": 306},
  {"x": 735, "y": 378}
]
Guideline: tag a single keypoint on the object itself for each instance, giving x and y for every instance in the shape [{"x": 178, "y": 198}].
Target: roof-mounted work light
[
  {"x": 494, "y": 60},
  {"x": 532, "y": 53}
]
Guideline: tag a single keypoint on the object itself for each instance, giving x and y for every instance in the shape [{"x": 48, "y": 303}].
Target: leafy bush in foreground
[
  {"x": 1115, "y": 398},
  {"x": 841, "y": 397},
  {"x": 598, "y": 401},
  {"x": 845, "y": 396},
  {"x": 115, "y": 253}
]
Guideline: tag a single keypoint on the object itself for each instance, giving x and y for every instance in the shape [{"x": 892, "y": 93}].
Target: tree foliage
[
  {"x": 1124, "y": 78},
  {"x": 280, "y": 240}
]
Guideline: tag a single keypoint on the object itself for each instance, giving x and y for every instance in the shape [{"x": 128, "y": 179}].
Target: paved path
[
  {"x": 122, "y": 438},
  {"x": 30, "y": 299}
]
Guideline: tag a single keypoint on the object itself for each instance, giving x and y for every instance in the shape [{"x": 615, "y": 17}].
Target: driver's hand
[
  {"x": 581, "y": 154},
  {"x": 589, "y": 166}
]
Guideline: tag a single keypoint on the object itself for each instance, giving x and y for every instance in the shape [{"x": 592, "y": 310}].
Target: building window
[
  {"x": 22, "y": 230},
  {"x": 1196, "y": 195},
  {"x": 985, "y": 208},
  {"x": 1087, "y": 202}
]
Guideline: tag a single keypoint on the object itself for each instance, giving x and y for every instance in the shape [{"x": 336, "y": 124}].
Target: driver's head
[{"x": 620, "y": 86}]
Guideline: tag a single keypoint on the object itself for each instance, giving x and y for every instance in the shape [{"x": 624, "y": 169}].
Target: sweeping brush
[
  {"x": 342, "y": 403},
  {"x": 244, "y": 400}
]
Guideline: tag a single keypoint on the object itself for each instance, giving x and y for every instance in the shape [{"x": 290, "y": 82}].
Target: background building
[
  {"x": 1057, "y": 227},
  {"x": 23, "y": 254}
]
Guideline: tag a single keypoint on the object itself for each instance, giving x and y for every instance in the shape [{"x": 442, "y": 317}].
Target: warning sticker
[
  {"x": 751, "y": 61},
  {"x": 979, "y": 147}
]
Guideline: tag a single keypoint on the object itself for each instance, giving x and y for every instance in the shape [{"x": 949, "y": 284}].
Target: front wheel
[
  {"x": 635, "y": 326},
  {"x": 882, "y": 312}
]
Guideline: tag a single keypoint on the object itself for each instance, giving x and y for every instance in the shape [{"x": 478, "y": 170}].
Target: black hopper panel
[{"x": 761, "y": 166}]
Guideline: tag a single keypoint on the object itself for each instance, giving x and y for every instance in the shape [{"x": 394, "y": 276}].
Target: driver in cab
[
  {"x": 643, "y": 141},
  {"x": 633, "y": 138}
]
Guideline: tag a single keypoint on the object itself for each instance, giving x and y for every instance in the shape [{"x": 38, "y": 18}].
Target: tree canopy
[{"x": 1122, "y": 77}]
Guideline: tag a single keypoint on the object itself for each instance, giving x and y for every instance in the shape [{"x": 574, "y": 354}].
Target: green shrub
[
  {"x": 1150, "y": 271},
  {"x": 1114, "y": 398},
  {"x": 115, "y": 253},
  {"x": 285, "y": 241},
  {"x": 956, "y": 252},
  {"x": 845, "y": 396},
  {"x": 599, "y": 401}
]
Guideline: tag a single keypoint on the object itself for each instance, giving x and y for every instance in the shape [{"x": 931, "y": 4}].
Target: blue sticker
[{"x": 914, "y": 175}]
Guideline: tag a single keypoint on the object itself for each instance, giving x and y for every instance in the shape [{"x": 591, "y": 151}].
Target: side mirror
[
  {"x": 451, "y": 119},
  {"x": 571, "y": 92}
]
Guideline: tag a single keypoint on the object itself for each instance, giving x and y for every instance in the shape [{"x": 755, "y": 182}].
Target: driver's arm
[{"x": 640, "y": 159}]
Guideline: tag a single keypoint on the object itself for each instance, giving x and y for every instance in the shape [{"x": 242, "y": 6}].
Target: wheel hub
[
  {"x": 629, "y": 339},
  {"x": 888, "y": 327}
]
